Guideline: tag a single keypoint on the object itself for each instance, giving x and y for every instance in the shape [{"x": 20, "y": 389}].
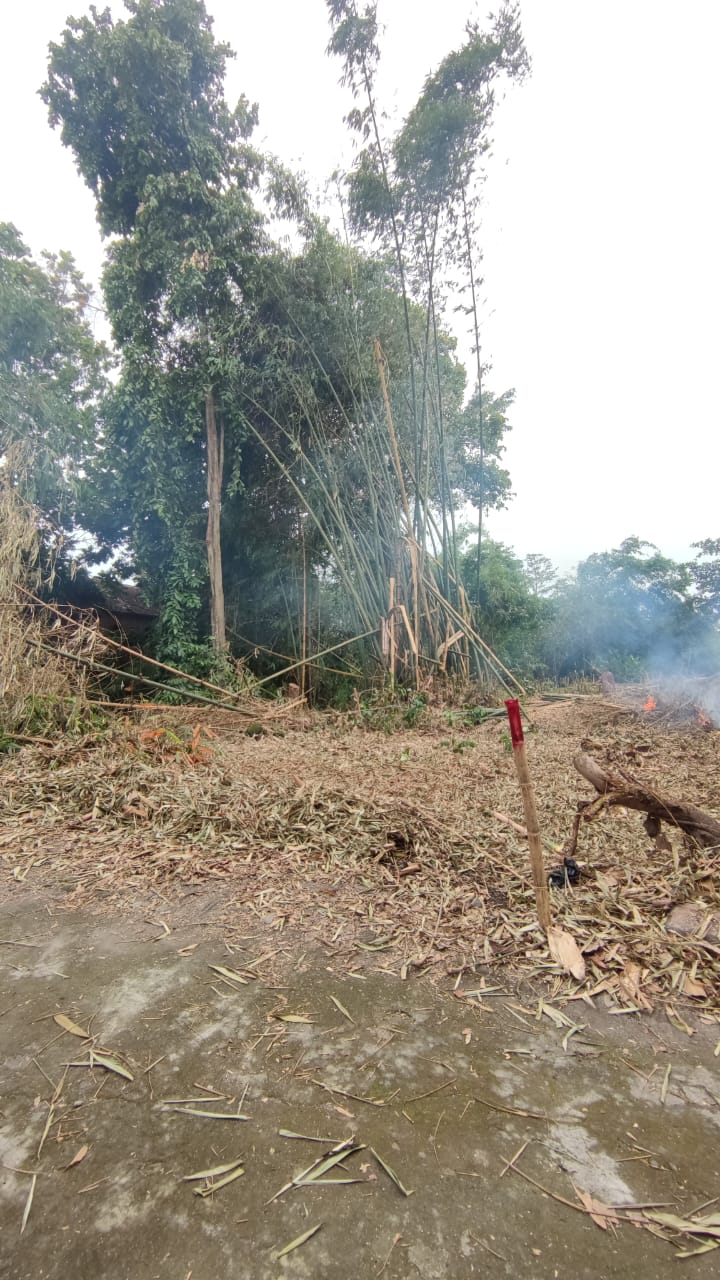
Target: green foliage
[
  {"x": 630, "y": 610},
  {"x": 476, "y": 447},
  {"x": 446, "y": 132},
  {"x": 142, "y": 100},
  {"x": 416, "y": 195},
  {"x": 52, "y": 375},
  {"x": 141, "y": 105},
  {"x": 510, "y": 617},
  {"x": 705, "y": 575},
  {"x": 541, "y": 574},
  {"x": 389, "y": 711}
]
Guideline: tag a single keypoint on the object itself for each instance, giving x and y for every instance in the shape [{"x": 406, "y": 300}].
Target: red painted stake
[{"x": 542, "y": 897}]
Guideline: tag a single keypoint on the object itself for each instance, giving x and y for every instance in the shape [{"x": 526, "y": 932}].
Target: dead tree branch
[{"x": 616, "y": 788}]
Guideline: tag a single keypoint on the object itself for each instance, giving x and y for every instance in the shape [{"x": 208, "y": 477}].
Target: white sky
[{"x": 601, "y": 232}]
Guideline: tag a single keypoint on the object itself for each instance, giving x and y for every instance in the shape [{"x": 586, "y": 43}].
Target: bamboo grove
[{"x": 285, "y": 452}]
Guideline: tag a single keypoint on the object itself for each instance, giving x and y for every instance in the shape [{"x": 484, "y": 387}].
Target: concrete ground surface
[{"x": 446, "y": 1091}]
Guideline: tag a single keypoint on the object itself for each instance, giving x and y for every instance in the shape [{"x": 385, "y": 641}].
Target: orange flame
[{"x": 650, "y": 705}]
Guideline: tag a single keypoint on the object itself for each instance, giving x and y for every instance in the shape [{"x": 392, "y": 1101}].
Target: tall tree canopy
[
  {"x": 52, "y": 376},
  {"x": 417, "y": 194},
  {"x": 142, "y": 106},
  {"x": 143, "y": 99},
  {"x": 306, "y": 406}
]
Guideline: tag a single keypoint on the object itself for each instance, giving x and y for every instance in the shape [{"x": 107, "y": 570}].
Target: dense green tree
[
  {"x": 512, "y": 617},
  {"x": 140, "y": 102},
  {"x": 52, "y": 376},
  {"x": 142, "y": 107}
]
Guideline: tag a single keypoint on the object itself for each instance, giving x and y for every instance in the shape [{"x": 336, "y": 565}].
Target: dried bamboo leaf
[
  {"x": 511, "y": 1111},
  {"x": 295, "y": 1244},
  {"x": 232, "y": 974},
  {"x": 46, "y": 1130},
  {"x": 323, "y": 1166},
  {"x": 555, "y": 1015},
  {"x": 706, "y": 1226},
  {"x": 78, "y": 1157},
  {"x": 601, "y": 1214},
  {"x": 342, "y": 1009},
  {"x": 28, "y": 1204},
  {"x": 207, "y": 1115},
  {"x": 691, "y": 987},
  {"x": 221, "y": 1182},
  {"x": 67, "y": 1024},
  {"x": 219, "y": 1169},
  {"x": 705, "y": 1247},
  {"x": 566, "y": 952},
  {"x": 110, "y": 1064},
  {"x": 330, "y": 1182},
  {"x": 629, "y": 983},
  {"x": 674, "y": 1018},
  {"x": 391, "y": 1173},
  {"x": 303, "y": 1137}
]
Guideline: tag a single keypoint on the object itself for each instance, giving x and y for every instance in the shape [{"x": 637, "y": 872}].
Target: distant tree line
[{"x": 630, "y": 610}]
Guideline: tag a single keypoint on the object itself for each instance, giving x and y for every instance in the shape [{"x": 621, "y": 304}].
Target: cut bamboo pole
[
  {"x": 542, "y": 897},
  {"x": 333, "y": 648},
  {"x": 411, "y": 635},
  {"x": 477, "y": 640},
  {"x": 391, "y": 626},
  {"x": 303, "y": 667}
]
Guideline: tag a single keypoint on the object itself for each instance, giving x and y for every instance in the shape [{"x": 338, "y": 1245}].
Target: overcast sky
[{"x": 600, "y": 235}]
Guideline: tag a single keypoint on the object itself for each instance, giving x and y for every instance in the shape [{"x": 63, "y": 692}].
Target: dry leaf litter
[{"x": 399, "y": 845}]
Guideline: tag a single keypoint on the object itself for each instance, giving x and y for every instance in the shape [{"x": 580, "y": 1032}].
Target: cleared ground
[{"x": 389, "y": 987}]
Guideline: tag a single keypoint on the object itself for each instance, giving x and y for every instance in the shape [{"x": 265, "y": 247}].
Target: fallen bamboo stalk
[
  {"x": 93, "y": 664},
  {"x": 123, "y": 648},
  {"x": 408, "y": 628},
  {"x": 477, "y": 639},
  {"x": 542, "y": 897},
  {"x": 275, "y": 653},
  {"x": 313, "y": 657}
]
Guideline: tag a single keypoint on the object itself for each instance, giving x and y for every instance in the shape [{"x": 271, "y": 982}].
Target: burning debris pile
[{"x": 673, "y": 703}]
